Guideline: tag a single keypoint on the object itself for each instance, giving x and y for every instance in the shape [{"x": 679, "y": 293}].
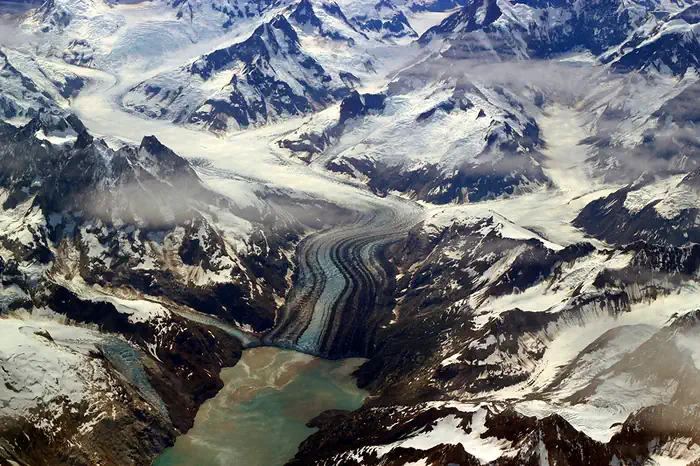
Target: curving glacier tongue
[{"x": 332, "y": 309}]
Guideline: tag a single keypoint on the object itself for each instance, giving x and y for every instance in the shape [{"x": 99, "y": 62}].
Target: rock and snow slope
[{"x": 267, "y": 77}]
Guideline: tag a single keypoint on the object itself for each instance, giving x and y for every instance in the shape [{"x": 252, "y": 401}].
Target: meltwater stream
[{"x": 259, "y": 417}]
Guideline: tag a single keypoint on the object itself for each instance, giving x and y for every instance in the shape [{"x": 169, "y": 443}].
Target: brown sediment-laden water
[{"x": 259, "y": 417}]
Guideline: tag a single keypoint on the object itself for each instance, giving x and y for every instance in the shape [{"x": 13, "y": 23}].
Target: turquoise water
[{"x": 259, "y": 417}]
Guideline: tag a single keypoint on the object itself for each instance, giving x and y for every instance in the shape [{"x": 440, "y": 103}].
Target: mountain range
[{"x": 495, "y": 203}]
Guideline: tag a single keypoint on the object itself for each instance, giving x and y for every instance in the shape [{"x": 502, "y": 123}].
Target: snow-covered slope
[
  {"x": 72, "y": 381},
  {"x": 76, "y": 207},
  {"x": 442, "y": 139},
  {"x": 666, "y": 46},
  {"x": 325, "y": 20},
  {"x": 531, "y": 342},
  {"x": 139, "y": 36},
  {"x": 29, "y": 86},
  {"x": 228, "y": 11},
  {"x": 488, "y": 29},
  {"x": 308, "y": 56},
  {"x": 378, "y": 18},
  {"x": 661, "y": 211},
  {"x": 654, "y": 135},
  {"x": 160, "y": 275},
  {"x": 265, "y": 78}
]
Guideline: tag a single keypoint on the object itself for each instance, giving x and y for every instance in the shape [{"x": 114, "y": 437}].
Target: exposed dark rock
[
  {"x": 607, "y": 218},
  {"x": 353, "y": 107},
  {"x": 326, "y": 417}
]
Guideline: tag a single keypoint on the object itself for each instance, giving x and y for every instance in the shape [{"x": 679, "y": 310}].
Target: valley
[
  {"x": 332, "y": 309},
  {"x": 450, "y": 234}
]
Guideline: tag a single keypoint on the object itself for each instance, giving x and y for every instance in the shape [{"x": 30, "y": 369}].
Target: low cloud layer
[{"x": 11, "y": 35}]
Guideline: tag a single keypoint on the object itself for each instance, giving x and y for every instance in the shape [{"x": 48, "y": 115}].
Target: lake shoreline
[{"x": 260, "y": 415}]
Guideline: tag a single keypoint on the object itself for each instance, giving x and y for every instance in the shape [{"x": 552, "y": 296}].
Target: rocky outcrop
[
  {"x": 354, "y": 107},
  {"x": 668, "y": 217}
]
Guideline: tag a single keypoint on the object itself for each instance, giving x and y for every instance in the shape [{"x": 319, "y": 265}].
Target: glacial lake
[{"x": 259, "y": 417}]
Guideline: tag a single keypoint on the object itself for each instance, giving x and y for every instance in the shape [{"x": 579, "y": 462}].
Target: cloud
[
  {"x": 11, "y": 35},
  {"x": 565, "y": 81},
  {"x": 634, "y": 128}
]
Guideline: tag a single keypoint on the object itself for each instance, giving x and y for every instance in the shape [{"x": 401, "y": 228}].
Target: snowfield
[{"x": 48, "y": 368}]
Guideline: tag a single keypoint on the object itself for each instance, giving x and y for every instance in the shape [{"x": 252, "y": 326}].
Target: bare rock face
[{"x": 100, "y": 229}]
